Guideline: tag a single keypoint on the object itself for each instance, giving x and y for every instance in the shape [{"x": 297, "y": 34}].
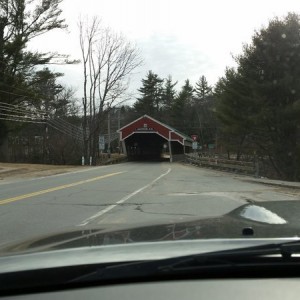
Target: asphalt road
[{"x": 132, "y": 193}]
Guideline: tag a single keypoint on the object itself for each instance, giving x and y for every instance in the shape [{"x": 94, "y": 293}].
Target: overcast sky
[{"x": 186, "y": 39}]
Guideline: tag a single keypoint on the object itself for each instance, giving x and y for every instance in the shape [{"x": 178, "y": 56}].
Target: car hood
[{"x": 263, "y": 223}]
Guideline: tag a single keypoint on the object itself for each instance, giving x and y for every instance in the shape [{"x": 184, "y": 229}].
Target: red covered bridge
[{"x": 147, "y": 138}]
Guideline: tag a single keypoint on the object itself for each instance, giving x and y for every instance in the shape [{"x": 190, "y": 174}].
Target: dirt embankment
[
  {"x": 10, "y": 170},
  {"x": 17, "y": 170}
]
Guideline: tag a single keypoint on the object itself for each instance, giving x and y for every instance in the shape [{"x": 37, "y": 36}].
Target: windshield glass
[{"x": 124, "y": 122}]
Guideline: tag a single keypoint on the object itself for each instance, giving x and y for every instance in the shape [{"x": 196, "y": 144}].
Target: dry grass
[{"x": 11, "y": 170}]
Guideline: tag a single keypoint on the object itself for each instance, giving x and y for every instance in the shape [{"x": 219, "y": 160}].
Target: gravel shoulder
[{"x": 11, "y": 170}]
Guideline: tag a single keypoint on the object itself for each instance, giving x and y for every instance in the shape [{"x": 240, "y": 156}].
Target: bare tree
[{"x": 108, "y": 61}]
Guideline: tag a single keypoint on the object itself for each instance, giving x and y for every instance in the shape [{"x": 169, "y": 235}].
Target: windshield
[{"x": 125, "y": 122}]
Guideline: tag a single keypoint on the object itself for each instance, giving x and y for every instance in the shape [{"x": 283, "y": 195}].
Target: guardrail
[{"x": 223, "y": 164}]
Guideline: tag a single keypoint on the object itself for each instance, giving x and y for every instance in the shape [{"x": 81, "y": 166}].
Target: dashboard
[{"x": 278, "y": 288}]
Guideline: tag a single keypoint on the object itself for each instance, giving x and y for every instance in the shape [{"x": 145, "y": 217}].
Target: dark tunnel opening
[{"x": 147, "y": 147}]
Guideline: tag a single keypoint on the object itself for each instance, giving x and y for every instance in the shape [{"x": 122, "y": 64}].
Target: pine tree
[
  {"x": 181, "y": 108},
  {"x": 202, "y": 89},
  {"x": 233, "y": 101},
  {"x": 50, "y": 96},
  {"x": 168, "y": 98},
  {"x": 21, "y": 21},
  {"x": 151, "y": 92},
  {"x": 203, "y": 107},
  {"x": 267, "y": 95}
]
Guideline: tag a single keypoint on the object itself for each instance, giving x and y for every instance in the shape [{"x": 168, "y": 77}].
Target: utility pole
[
  {"x": 119, "y": 121},
  {"x": 3, "y": 23},
  {"x": 46, "y": 143},
  {"x": 108, "y": 131}
]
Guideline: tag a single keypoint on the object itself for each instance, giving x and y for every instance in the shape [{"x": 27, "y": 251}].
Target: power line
[
  {"x": 113, "y": 136},
  {"x": 17, "y": 116},
  {"x": 53, "y": 123},
  {"x": 66, "y": 127},
  {"x": 14, "y": 87},
  {"x": 24, "y": 109},
  {"x": 19, "y": 108},
  {"x": 14, "y": 94},
  {"x": 76, "y": 137},
  {"x": 8, "y": 113},
  {"x": 60, "y": 130},
  {"x": 19, "y": 111},
  {"x": 70, "y": 124},
  {"x": 23, "y": 121}
]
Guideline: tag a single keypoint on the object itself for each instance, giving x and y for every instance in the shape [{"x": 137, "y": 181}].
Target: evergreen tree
[
  {"x": 51, "y": 97},
  {"x": 269, "y": 79},
  {"x": 21, "y": 21},
  {"x": 203, "y": 108},
  {"x": 151, "y": 92},
  {"x": 181, "y": 108},
  {"x": 202, "y": 89},
  {"x": 169, "y": 93},
  {"x": 233, "y": 104},
  {"x": 168, "y": 98}
]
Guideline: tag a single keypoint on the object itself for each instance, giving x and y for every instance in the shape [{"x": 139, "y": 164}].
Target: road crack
[
  {"x": 139, "y": 208},
  {"x": 98, "y": 205}
]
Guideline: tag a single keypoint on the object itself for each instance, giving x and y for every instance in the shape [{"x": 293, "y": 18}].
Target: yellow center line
[{"x": 57, "y": 188}]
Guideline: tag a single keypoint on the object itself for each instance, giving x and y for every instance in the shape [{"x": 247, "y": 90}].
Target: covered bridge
[{"x": 147, "y": 138}]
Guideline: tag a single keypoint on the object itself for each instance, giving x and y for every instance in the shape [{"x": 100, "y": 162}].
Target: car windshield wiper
[
  {"x": 268, "y": 254},
  {"x": 269, "y": 260}
]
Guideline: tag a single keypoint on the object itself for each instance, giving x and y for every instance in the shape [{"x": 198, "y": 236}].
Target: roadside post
[
  {"x": 195, "y": 146},
  {"x": 195, "y": 143}
]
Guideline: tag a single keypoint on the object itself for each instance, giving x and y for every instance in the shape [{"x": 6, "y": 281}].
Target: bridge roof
[{"x": 147, "y": 124}]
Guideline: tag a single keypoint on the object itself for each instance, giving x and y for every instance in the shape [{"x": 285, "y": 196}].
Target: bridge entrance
[{"x": 149, "y": 139}]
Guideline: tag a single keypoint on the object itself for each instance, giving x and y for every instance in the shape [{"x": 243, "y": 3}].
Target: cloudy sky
[{"x": 183, "y": 38}]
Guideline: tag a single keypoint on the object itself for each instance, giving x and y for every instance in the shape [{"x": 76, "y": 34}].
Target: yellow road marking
[{"x": 57, "y": 188}]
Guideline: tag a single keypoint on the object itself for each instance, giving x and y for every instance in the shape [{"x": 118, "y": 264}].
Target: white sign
[
  {"x": 195, "y": 145},
  {"x": 101, "y": 142}
]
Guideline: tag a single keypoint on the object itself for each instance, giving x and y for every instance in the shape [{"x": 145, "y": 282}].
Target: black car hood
[{"x": 263, "y": 222}]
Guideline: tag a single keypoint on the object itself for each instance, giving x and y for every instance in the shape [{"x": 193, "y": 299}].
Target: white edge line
[{"x": 107, "y": 209}]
